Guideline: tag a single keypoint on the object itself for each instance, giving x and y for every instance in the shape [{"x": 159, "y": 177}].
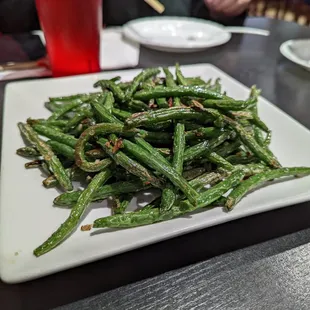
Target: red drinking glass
[{"x": 72, "y": 34}]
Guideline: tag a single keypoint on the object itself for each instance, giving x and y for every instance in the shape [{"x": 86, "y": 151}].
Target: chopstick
[{"x": 156, "y": 5}]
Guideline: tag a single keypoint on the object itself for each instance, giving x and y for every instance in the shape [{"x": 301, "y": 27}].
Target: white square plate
[{"x": 27, "y": 215}]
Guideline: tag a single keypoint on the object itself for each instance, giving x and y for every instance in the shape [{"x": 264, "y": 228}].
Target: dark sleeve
[
  {"x": 18, "y": 16},
  {"x": 200, "y": 10}
]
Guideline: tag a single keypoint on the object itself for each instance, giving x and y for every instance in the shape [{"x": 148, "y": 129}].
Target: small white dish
[
  {"x": 297, "y": 51},
  {"x": 176, "y": 34}
]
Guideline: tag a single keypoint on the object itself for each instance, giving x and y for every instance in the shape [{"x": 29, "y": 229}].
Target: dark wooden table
[{"x": 251, "y": 60}]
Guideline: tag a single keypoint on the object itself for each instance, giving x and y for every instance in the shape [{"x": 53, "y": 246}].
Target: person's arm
[
  {"x": 18, "y": 16},
  {"x": 227, "y": 12}
]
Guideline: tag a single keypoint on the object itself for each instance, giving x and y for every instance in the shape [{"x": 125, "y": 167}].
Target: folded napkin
[
  {"x": 23, "y": 74},
  {"x": 116, "y": 53}
]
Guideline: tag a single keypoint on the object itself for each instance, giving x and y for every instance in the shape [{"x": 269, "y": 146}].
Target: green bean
[
  {"x": 96, "y": 154},
  {"x": 34, "y": 164},
  {"x": 114, "y": 88},
  {"x": 190, "y": 125},
  {"x": 164, "y": 151},
  {"x": 179, "y": 130},
  {"x": 250, "y": 142},
  {"x": 148, "y": 207},
  {"x": 64, "y": 109},
  {"x": 56, "y": 123},
  {"x": 242, "y": 159},
  {"x": 205, "y": 147},
  {"x": 45, "y": 168},
  {"x": 254, "y": 94},
  {"x": 215, "y": 192},
  {"x": 259, "y": 123},
  {"x": 180, "y": 78},
  {"x": 52, "y": 106},
  {"x": 162, "y": 103},
  {"x": 80, "y": 157},
  {"x": 152, "y": 216},
  {"x": 242, "y": 116},
  {"x": 116, "y": 79},
  {"x": 82, "y": 97},
  {"x": 81, "y": 114},
  {"x": 50, "y": 158},
  {"x": 149, "y": 148},
  {"x": 196, "y": 81},
  {"x": 127, "y": 163},
  {"x": 124, "y": 85},
  {"x": 267, "y": 140},
  {"x": 255, "y": 181},
  {"x": 258, "y": 136},
  {"x": 169, "y": 78},
  {"x": 61, "y": 149},
  {"x": 175, "y": 113},
  {"x": 28, "y": 152},
  {"x": 149, "y": 84},
  {"x": 103, "y": 115},
  {"x": 144, "y": 75},
  {"x": 209, "y": 178},
  {"x": 137, "y": 106},
  {"x": 51, "y": 181},
  {"x": 151, "y": 161},
  {"x": 55, "y": 135},
  {"x": 217, "y": 87},
  {"x": 193, "y": 173},
  {"x": 215, "y": 158},
  {"x": 177, "y": 91},
  {"x": 68, "y": 227},
  {"x": 121, "y": 203},
  {"x": 178, "y": 148},
  {"x": 121, "y": 114},
  {"x": 69, "y": 199},
  {"x": 135, "y": 219},
  {"x": 252, "y": 169},
  {"x": 108, "y": 103},
  {"x": 203, "y": 133},
  {"x": 25, "y": 135},
  {"x": 169, "y": 194},
  {"x": 168, "y": 198},
  {"x": 228, "y": 148},
  {"x": 227, "y": 104},
  {"x": 73, "y": 172},
  {"x": 153, "y": 137}
]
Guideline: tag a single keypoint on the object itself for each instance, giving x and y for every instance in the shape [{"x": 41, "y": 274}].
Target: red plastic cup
[{"x": 72, "y": 34}]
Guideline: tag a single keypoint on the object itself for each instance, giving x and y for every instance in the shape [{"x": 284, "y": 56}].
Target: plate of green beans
[{"x": 101, "y": 164}]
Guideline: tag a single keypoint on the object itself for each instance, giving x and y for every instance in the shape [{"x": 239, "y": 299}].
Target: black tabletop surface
[
  {"x": 252, "y": 60},
  {"x": 251, "y": 278}
]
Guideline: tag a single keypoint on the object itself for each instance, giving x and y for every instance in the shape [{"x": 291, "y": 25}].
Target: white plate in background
[
  {"x": 176, "y": 34},
  {"x": 27, "y": 215},
  {"x": 297, "y": 51}
]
